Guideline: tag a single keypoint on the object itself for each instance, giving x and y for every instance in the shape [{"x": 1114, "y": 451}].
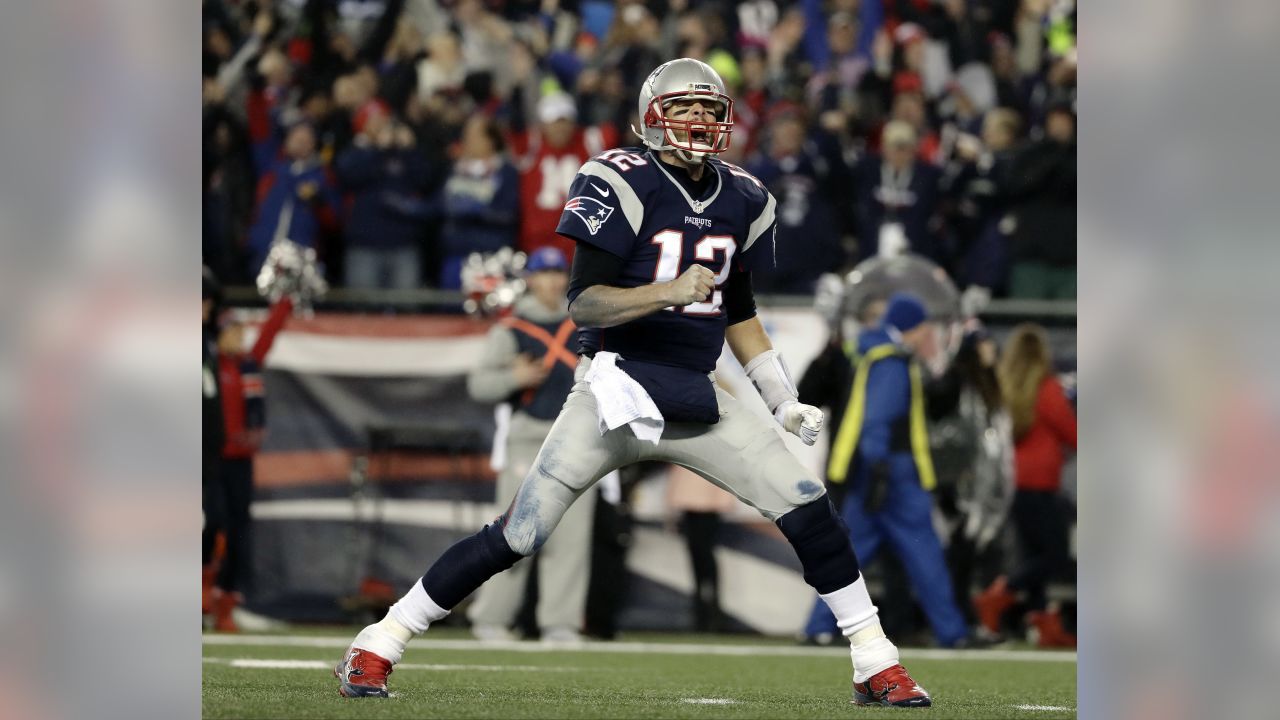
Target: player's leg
[
  {"x": 499, "y": 599},
  {"x": 908, "y": 521},
  {"x": 866, "y": 533},
  {"x": 564, "y": 565},
  {"x": 573, "y": 457},
  {"x": 745, "y": 455}
]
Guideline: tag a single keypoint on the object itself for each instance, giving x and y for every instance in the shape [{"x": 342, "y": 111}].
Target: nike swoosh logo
[{"x": 602, "y": 190}]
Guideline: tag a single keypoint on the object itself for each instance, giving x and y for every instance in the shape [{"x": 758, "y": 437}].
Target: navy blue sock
[
  {"x": 468, "y": 564},
  {"x": 821, "y": 541}
]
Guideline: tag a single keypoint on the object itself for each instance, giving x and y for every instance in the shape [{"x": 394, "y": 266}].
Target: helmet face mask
[{"x": 666, "y": 89}]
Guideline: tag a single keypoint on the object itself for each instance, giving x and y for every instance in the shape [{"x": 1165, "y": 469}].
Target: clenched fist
[
  {"x": 803, "y": 421},
  {"x": 694, "y": 285}
]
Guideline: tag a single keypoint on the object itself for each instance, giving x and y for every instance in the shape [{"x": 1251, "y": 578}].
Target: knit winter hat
[{"x": 905, "y": 312}]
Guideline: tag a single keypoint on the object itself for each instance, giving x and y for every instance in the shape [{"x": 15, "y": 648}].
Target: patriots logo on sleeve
[{"x": 590, "y": 211}]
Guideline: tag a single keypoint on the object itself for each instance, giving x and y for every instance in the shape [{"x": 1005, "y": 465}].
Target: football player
[{"x": 667, "y": 235}]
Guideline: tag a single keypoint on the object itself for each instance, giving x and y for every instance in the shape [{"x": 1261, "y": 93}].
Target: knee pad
[
  {"x": 821, "y": 541},
  {"x": 468, "y": 564}
]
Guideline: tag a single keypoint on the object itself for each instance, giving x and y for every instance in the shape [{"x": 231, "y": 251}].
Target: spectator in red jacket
[
  {"x": 1044, "y": 425},
  {"x": 228, "y": 494}
]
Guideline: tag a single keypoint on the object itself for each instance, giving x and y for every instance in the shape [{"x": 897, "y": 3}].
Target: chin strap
[{"x": 693, "y": 158}]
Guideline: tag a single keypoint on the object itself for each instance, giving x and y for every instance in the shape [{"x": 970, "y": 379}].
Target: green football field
[{"x": 445, "y": 675}]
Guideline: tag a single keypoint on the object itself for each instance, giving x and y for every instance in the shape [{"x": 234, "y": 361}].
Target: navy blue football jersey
[{"x": 628, "y": 203}]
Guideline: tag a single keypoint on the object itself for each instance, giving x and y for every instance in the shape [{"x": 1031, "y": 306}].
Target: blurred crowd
[
  {"x": 398, "y": 136},
  {"x": 956, "y": 485}
]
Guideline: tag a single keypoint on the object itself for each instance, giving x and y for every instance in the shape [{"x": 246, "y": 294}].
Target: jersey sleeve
[
  {"x": 758, "y": 252},
  {"x": 759, "y": 208},
  {"x": 603, "y": 210}
]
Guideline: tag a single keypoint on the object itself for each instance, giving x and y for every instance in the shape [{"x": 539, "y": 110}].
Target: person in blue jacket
[
  {"x": 390, "y": 180},
  {"x": 881, "y": 451},
  {"x": 481, "y": 200},
  {"x": 297, "y": 198}
]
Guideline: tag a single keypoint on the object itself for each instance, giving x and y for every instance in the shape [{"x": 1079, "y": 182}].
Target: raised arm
[{"x": 267, "y": 333}]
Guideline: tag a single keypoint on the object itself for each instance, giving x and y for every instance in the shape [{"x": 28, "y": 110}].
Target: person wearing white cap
[
  {"x": 548, "y": 156},
  {"x": 897, "y": 198}
]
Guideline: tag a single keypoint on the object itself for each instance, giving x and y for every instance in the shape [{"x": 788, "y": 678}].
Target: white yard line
[
  {"x": 646, "y": 648},
  {"x": 709, "y": 701},
  {"x": 1044, "y": 707},
  {"x": 261, "y": 664}
]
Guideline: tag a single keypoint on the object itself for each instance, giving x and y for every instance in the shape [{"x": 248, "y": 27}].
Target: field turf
[{"x": 445, "y": 675}]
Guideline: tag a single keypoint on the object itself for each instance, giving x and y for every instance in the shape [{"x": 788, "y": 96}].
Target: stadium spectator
[
  {"x": 852, "y": 66},
  {"x": 272, "y": 95},
  {"x": 485, "y": 40},
  {"x": 909, "y": 106},
  {"x": 837, "y": 86},
  {"x": 481, "y": 199},
  {"x": 389, "y": 179},
  {"x": 972, "y": 442},
  {"x": 699, "y": 505},
  {"x": 1004, "y": 67},
  {"x": 548, "y": 157},
  {"x": 630, "y": 46},
  {"x": 398, "y": 71},
  {"x": 966, "y": 101},
  {"x": 442, "y": 69},
  {"x": 228, "y": 186},
  {"x": 897, "y": 199},
  {"x": 228, "y": 490},
  {"x": 754, "y": 96},
  {"x": 1044, "y": 425},
  {"x": 809, "y": 188},
  {"x": 527, "y": 365},
  {"x": 1042, "y": 193},
  {"x": 297, "y": 198},
  {"x": 881, "y": 449},
  {"x": 975, "y": 184},
  {"x": 213, "y": 433},
  {"x": 963, "y": 32}
]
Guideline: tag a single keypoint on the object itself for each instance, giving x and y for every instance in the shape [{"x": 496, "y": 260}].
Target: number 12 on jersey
[{"x": 671, "y": 243}]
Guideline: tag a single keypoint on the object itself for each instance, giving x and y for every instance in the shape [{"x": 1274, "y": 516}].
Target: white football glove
[
  {"x": 772, "y": 379},
  {"x": 803, "y": 421}
]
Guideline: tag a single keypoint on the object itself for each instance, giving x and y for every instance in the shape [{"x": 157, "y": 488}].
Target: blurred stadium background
[{"x": 396, "y": 137}]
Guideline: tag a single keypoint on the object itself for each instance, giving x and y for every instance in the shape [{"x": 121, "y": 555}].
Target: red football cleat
[
  {"x": 206, "y": 589},
  {"x": 224, "y": 605},
  {"x": 891, "y": 687},
  {"x": 991, "y": 604},
  {"x": 1049, "y": 630},
  {"x": 363, "y": 674}
]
